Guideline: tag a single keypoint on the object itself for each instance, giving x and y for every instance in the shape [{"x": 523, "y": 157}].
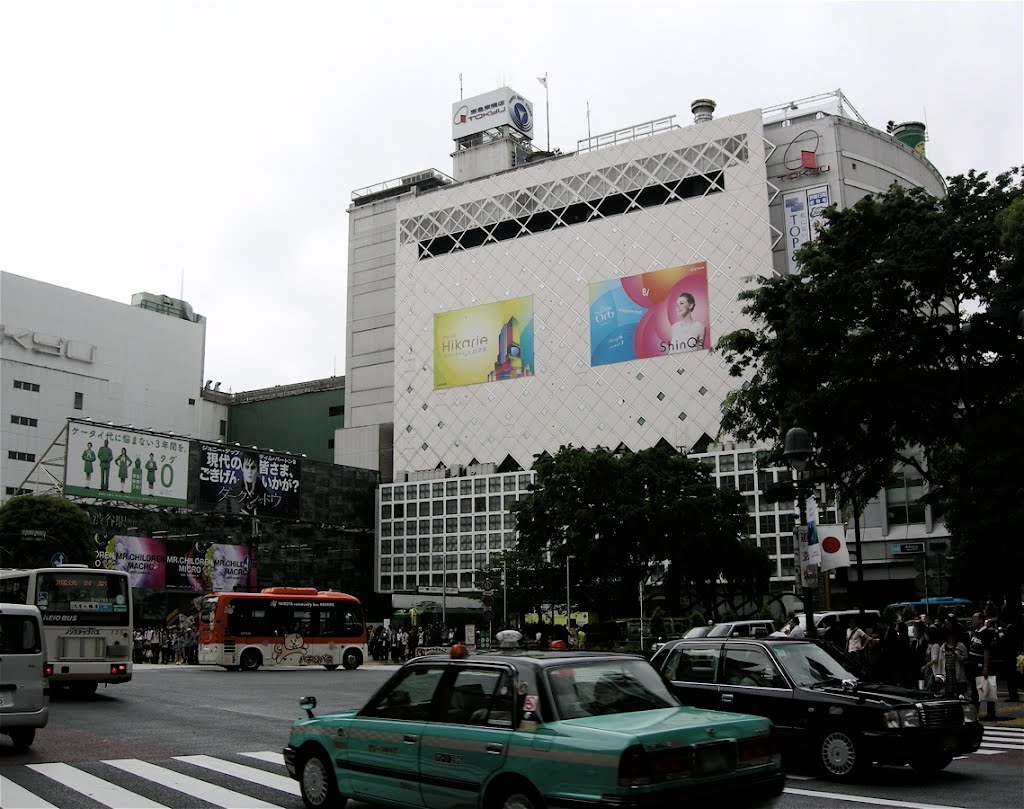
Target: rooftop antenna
[
  {"x": 588, "y": 120},
  {"x": 547, "y": 106},
  {"x": 460, "y": 87},
  {"x": 182, "y": 293}
]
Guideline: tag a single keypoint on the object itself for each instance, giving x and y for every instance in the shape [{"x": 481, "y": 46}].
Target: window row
[
  {"x": 464, "y": 505},
  {"x": 460, "y": 486},
  {"x": 20, "y": 385},
  {"x": 449, "y": 525},
  {"x": 14, "y": 455},
  {"x": 25, "y": 421},
  {"x": 451, "y": 561},
  {"x": 466, "y": 542},
  {"x": 464, "y": 581}
]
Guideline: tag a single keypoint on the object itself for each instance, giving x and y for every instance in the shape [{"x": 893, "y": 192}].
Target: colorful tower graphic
[{"x": 509, "y": 361}]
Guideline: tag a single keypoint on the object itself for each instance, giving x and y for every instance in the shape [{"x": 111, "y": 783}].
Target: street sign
[
  {"x": 60, "y": 558},
  {"x": 488, "y": 585},
  {"x": 488, "y": 616},
  {"x": 907, "y": 547},
  {"x": 450, "y": 591},
  {"x": 488, "y": 600}
]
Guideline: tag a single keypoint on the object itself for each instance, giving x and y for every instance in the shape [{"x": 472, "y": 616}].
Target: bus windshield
[{"x": 83, "y": 596}]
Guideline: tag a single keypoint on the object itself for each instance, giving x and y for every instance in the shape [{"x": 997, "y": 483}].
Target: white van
[
  {"x": 826, "y": 619},
  {"x": 24, "y": 688}
]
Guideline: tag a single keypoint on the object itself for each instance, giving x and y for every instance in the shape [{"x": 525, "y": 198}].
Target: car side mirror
[{"x": 308, "y": 704}]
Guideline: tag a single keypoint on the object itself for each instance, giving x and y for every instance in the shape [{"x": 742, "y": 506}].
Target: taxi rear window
[{"x": 606, "y": 687}]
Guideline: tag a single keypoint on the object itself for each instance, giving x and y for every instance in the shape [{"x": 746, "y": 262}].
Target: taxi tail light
[
  {"x": 634, "y": 767},
  {"x": 757, "y": 750},
  {"x": 118, "y": 668},
  {"x": 637, "y": 767},
  {"x": 48, "y": 669}
]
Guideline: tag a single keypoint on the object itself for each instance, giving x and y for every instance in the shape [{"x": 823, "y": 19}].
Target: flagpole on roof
[{"x": 547, "y": 106}]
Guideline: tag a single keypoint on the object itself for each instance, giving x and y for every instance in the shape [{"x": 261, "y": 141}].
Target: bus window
[{"x": 351, "y": 619}]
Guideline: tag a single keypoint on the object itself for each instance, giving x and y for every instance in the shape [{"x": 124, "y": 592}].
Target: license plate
[{"x": 712, "y": 760}]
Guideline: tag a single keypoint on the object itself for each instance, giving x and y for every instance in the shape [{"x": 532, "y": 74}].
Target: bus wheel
[
  {"x": 330, "y": 666},
  {"x": 353, "y": 659},
  {"x": 251, "y": 660}
]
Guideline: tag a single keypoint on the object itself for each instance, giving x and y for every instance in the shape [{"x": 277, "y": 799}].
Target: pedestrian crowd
[
  {"x": 399, "y": 643},
  {"x": 950, "y": 657},
  {"x": 166, "y": 645}
]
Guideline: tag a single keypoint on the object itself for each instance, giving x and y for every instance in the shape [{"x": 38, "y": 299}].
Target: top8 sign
[{"x": 501, "y": 107}]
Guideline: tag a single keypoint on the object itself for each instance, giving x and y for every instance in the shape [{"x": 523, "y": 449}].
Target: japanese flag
[{"x": 834, "y": 553}]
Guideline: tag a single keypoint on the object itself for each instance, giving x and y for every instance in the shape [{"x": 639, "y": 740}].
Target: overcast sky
[{"x": 143, "y": 143}]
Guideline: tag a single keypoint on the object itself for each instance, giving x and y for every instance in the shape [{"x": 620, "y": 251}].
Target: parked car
[
  {"x": 822, "y": 711},
  {"x": 524, "y": 730},
  {"x": 761, "y": 627},
  {"x": 24, "y": 687}
]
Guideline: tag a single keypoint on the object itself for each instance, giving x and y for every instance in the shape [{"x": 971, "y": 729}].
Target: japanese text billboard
[
  {"x": 650, "y": 315},
  {"x": 244, "y": 481},
  {"x": 805, "y": 214},
  {"x": 112, "y": 463},
  {"x": 487, "y": 343},
  {"x": 178, "y": 565}
]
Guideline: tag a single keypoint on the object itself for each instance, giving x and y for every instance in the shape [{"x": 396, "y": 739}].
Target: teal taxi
[{"x": 526, "y": 730}]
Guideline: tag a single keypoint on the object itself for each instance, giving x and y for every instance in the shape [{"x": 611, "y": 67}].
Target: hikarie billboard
[
  {"x": 654, "y": 314},
  {"x": 492, "y": 342}
]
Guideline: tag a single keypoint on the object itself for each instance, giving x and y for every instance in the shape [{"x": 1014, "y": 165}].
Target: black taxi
[{"x": 821, "y": 708}]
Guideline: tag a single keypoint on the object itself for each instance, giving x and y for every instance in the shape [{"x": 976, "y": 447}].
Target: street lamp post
[
  {"x": 797, "y": 452},
  {"x": 568, "y": 603}
]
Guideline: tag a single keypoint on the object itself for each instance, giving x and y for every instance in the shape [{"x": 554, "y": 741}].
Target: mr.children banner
[
  {"x": 487, "y": 343},
  {"x": 650, "y": 315},
  {"x": 177, "y": 565}
]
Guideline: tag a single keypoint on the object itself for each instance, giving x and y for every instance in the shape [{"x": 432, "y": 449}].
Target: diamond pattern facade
[{"x": 567, "y": 401}]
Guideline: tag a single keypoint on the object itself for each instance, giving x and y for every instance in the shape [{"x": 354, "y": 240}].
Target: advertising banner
[
  {"x": 650, "y": 315},
  {"x": 492, "y": 342},
  {"x": 172, "y": 565},
  {"x": 112, "y": 463},
  {"x": 804, "y": 213},
  {"x": 244, "y": 481}
]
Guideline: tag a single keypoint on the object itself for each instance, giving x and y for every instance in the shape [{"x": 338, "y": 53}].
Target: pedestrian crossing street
[{"x": 255, "y": 780}]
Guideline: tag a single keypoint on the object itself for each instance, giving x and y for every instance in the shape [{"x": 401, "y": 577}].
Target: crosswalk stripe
[
  {"x": 256, "y": 776},
  {"x": 218, "y": 796},
  {"x": 266, "y": 755},
  {"x": 998, "y": 746},
  {"x": 17, "y": 797},
  {"x": 98, "y": 789},
  {"x": 840, "y": 796},
  {"x": 983, "y": 752}
]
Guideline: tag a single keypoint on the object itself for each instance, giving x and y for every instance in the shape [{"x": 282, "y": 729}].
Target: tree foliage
[
  {"x": 67, "y": 527},
  {"x": 898, "y": 341},
  {"x": 621, "y": 515}
]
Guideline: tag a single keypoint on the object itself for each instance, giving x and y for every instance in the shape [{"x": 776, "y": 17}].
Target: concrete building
[
  {"x": 543, "y": 241},
  {"x": 65, "y": 354}
]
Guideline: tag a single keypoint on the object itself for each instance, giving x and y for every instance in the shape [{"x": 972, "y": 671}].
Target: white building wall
[
  {"x": 146, "y": 369},
  {"x": 567, "y": 401}
]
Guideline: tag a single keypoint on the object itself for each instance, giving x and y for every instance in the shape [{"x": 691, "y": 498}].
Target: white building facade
[
  {"x": 65, "y": 354},
  {"x": 735, "y": 194}
]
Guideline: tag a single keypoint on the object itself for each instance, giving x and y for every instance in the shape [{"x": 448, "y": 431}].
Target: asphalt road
[{"x": 182, "y": 736}]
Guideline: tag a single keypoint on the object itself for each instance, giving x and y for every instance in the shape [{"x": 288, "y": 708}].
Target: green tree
[
  {"x": 899, "y": 342},
  {"x": 620, "y": 515},
  {"x": 65, "y": 528}
]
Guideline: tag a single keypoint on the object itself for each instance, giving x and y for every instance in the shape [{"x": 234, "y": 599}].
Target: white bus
[{"x": 87, "y": 620}]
